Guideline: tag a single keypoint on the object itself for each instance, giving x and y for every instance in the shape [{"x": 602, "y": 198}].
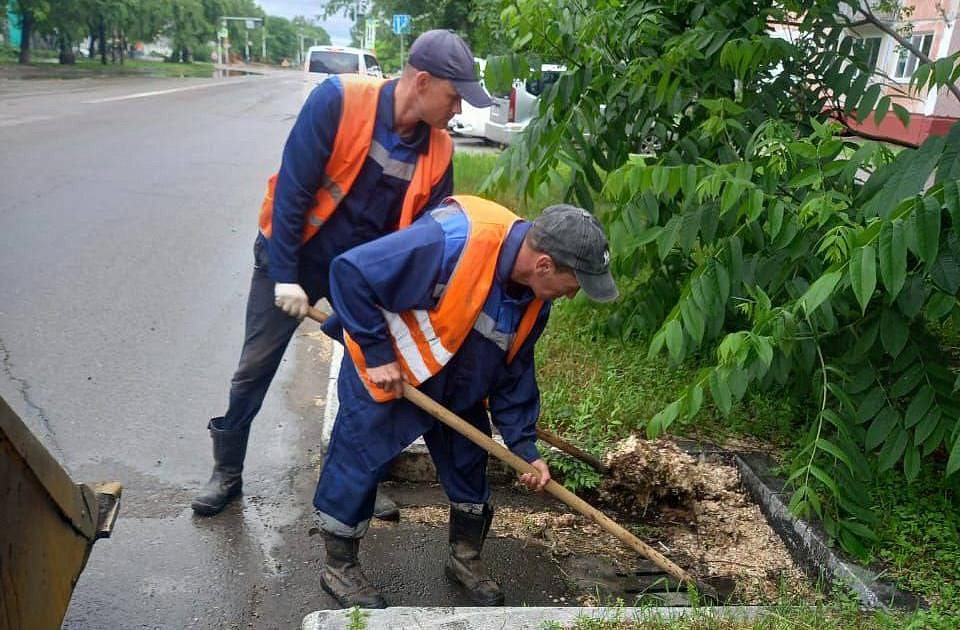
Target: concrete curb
[
  {"x": 332, "y": 402},
  {"x": 515, "y": 618},
  {"x": 807, "y": 543}
]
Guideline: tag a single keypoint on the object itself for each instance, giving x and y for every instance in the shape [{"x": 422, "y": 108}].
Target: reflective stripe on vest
[
  {"x": 425, "y": 340},
  {"x": 352, "y": 145}
]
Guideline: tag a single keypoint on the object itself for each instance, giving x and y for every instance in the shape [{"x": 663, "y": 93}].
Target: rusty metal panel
[
  {"x": 48, "y": 525},
  {"x": 42, "y": 554}
]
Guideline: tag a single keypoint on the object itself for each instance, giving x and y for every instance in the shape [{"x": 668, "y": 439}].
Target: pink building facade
[{"x": 934, "y": 30}]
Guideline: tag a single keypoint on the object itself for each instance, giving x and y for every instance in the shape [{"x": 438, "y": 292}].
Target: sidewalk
[{"x": 514, "y": 618}]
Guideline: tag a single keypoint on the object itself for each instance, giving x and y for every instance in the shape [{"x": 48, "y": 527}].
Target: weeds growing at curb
[
  {"x": 358, "y": 619},
  {"x": 839, "y": 612}
]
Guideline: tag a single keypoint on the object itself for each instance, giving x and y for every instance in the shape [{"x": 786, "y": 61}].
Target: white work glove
[{"x": 291, "y": 298}]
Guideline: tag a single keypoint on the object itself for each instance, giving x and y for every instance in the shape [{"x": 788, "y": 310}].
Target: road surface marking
[{"x": 158, "y": 92}]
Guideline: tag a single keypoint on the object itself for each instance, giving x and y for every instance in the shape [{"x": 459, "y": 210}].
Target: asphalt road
[{"x": 127, "y": 217}]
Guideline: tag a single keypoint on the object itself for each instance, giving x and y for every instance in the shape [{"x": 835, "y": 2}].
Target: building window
[
  {"x": 907, "y": 61},
  {"x": 869, "y": 50}
]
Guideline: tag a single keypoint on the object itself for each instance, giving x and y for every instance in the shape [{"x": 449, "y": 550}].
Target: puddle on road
[{"x": 222, "y": 73}]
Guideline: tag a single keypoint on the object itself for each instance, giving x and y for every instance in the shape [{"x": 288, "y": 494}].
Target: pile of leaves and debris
[
  {"x": 700, "y": 515},
  {"x": 692, "y": 510}
]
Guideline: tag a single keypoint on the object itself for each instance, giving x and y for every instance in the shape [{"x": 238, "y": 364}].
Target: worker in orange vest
[
  {"x": 453, "y": 305},
  {"x": 364, "y": 158}
]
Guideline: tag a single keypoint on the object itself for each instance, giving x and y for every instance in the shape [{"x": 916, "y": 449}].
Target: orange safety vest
[
  {"x": 350, "y": 148},
  {"x": 425, "y": 340}
]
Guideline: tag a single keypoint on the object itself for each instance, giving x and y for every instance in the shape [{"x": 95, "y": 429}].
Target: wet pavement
[{"x": 128, "y": 214}]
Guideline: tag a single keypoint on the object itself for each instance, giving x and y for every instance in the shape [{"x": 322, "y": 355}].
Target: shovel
[
  {"x": 479, "y": 438},
  {"x": 556, "y": 441}
]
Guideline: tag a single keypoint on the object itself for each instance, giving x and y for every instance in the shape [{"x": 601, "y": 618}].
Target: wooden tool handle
[
  {"x": 317, "y": 315},
  {"x": 479, "y": 438},
  {"x": 555, "y": 440}
]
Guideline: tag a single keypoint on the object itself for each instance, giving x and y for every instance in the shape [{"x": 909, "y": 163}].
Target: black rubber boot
[
  {"x": 465, "y": 567},
  {"x": 385, "y": 508},
  {"x": 341, "y": 575},
  {"x": 229, "y": 450}
]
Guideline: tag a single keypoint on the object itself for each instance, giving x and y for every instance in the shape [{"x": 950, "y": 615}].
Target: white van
[
  {"x": 322, "y": 61},
  {"x": 511, "y": 113}
]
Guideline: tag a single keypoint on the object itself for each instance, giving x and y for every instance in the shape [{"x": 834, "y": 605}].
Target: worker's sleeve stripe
[{"x": 333, "y": 188}]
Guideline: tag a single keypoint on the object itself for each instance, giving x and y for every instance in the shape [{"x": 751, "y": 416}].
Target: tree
[
  {"x": 282, "y": 40},
  {"x": 32, "y": 13},
  {"x": 188, "y": 28},
  {"x": 751, "y": 229},
  {"x": 311, "y": 32},
  {"x": 475, "y": 20}
]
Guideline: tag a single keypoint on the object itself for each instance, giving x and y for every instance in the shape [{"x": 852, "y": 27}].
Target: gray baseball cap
[
  {"x": 574, "y": 238},
  {"x": 445, "y": 55}
]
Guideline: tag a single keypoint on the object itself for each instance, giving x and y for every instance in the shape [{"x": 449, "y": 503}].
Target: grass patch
[
  {"x": 599, "y": 388},
  {"x": 8, "y": 54},
  {"x": 839, "y": 614},
  {"x": 470, "y": 170},
  {"x": 93, "y": 68},
  {"x": 920, "y": 537}
]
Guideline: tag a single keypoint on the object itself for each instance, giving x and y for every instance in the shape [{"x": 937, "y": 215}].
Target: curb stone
[
  {"x": 514, "y": 618},
  {"x": 807, "y": 543},
  {"x": 332, "y": 401}
]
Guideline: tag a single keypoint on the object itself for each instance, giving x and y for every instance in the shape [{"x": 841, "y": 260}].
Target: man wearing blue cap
[{"x": 364, "y": 158}]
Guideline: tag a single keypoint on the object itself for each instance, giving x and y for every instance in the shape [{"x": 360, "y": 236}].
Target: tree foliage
[
  {"x": 477, "y": 21},
  {"x": 752, "y": 229},
  {"x": 114, "y": 25}
]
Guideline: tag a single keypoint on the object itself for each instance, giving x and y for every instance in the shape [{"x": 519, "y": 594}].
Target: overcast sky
[{"x": 338, "y": 26}]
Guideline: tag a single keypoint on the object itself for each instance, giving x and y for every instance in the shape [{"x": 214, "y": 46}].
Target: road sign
[{"x": 401, "y": 23}]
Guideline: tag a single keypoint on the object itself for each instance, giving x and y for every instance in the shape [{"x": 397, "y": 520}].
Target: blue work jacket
[
  {"x": 372, "y": 206},
  {"x": 406, "y": 270}
]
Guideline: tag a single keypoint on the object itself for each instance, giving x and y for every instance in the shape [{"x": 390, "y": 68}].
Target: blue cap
[
  {"x": 574, "y": 238},
  {"x": 445, "y": 55}
]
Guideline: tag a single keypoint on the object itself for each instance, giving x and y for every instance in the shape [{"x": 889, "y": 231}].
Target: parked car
[
  {"x": 322, "y": 61},
  {"x": 510, "y": 114},
  {"x": 471, "y": 121}
]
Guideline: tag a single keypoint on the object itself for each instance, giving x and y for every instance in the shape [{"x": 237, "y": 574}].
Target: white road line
[{"x": 158, "y": 92}]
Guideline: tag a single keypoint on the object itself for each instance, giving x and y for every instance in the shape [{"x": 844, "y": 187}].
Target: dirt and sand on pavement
[{"x": 691, "y": 510}]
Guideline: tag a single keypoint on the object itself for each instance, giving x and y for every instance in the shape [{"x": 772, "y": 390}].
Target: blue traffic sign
[{"x": 401, "y": 23}]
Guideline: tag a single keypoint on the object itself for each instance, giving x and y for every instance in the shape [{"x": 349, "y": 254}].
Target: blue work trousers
[
  {"x": 267, "y": 333},
  {"x": 367, "y": 436}
]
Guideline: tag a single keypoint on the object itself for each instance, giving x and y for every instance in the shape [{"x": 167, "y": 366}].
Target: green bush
[{"x": 751, "y": 233}]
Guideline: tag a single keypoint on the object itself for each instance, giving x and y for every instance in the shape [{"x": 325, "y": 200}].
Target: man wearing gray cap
[
  {"x": 364, "y": 158},
  {"x": 453, "y": 305}
]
